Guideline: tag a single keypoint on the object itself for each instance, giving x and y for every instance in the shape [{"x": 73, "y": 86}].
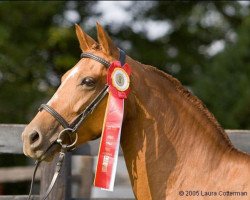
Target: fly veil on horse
[{"x": 171, "y": 142}]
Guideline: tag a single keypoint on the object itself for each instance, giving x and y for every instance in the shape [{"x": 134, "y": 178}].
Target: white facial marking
[
  {"x": 73, "y": 72},
  {"x": 71, "y": 75},
  {"x": 54, "y": 98}
]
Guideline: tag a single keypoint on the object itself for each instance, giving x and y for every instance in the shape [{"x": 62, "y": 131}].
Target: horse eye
[{"x": 88, "y": 81}]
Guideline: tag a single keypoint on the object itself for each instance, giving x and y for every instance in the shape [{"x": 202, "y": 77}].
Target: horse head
[{"x": 79, "y": 87}]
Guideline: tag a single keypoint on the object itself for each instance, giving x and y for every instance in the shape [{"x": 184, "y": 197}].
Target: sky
[{"x": 119, "y": 13}]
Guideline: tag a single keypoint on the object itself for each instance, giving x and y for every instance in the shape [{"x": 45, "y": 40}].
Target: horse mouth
[
  {"x": 49, "y": 154},
  {"x": 44, "y": 155}
]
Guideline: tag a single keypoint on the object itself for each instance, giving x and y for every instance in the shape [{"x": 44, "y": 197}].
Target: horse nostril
[
  {"x": 35, "y": 140},
  {"x": 34, "y": 136}
]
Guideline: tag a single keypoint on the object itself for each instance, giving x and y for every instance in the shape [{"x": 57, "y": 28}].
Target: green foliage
[
  {"x": 31, "y": 46},
  {"x": 221, "y": 81},
  {"x": 225, "y": 83},
  {"x": 38, "y": 44}
]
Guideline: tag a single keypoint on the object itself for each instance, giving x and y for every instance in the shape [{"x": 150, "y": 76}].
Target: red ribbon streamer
[
  {"x": 109, "y": 143},
  {"x": 110, "y": 140}
]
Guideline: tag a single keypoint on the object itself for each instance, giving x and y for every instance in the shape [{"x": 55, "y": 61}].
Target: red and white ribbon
[{"x": 118, "y": 81}]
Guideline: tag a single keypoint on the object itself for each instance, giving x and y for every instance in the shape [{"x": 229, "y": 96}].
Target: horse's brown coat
[{"x": 171, "y": 142}]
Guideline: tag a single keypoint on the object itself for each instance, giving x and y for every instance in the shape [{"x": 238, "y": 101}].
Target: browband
[
  {"x": 122, "y": 58},
  {"x": 97, "y": 58}
]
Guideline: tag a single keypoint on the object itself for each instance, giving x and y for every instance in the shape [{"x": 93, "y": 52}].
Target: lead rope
[
  {"x": 55, "y": 176},
  {"x": 64, "y": 149},
  {"x": 37, "y": 163}
]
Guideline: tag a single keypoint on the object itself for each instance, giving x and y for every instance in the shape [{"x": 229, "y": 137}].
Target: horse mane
[
  {"x": 187, "y": 95},
  {"x": 197, "y": 103}
]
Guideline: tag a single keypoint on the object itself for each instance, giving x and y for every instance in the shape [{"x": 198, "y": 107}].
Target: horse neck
[{"x": 164, "y": 126}]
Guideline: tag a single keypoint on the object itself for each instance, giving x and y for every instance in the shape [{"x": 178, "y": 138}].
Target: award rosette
[{"x": 118, "y": 81}]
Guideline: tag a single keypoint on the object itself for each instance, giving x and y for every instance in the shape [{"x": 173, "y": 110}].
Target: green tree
[
  {"x": 188, "y": 51},
  {"x": 37, "y": 45},
  {"x": 225, "y": 84}
]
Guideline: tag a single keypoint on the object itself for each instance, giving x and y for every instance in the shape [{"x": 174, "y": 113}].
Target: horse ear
[
  {"x": 105, "y": 41},
  {"x": 86, "y": 42}
]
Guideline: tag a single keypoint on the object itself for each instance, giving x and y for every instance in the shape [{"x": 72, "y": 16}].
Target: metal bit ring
[{"x": 67, "y": 130}]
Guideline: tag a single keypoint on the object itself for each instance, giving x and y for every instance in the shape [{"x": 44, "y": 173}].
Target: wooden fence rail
[{"x": 10, "y": 142}]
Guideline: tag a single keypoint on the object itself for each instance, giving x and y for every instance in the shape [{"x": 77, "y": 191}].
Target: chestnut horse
[{"x": 173, "y": 146}]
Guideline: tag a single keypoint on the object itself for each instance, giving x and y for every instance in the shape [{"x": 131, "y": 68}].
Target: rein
[{"x": 72, "y": 128}]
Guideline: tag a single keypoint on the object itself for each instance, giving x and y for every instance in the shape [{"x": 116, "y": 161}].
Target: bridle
[
  {"x": 72, "y": 128},
  {"x": 93, "y": 104}
]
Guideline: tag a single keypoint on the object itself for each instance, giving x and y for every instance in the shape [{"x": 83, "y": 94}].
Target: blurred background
[{"x": 206, "y": 45}]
